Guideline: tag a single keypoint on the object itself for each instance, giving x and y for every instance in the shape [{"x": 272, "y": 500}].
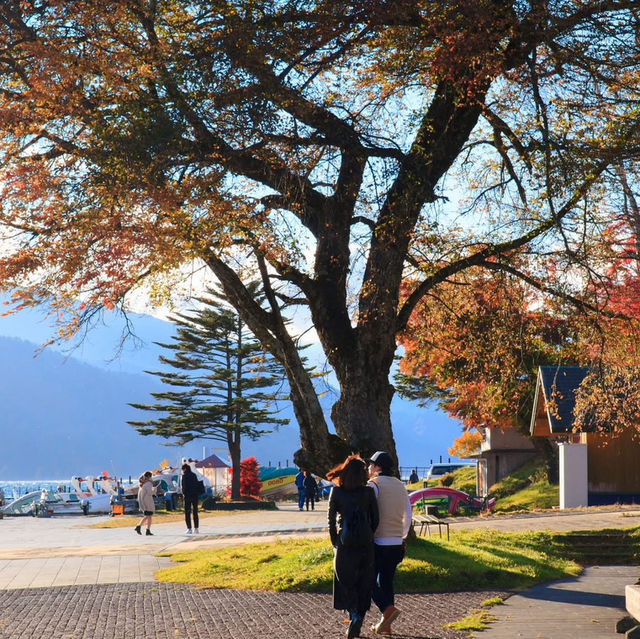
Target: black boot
[
  {"x": 149, "y": 532},
  {"x": 137, "y": 529}
]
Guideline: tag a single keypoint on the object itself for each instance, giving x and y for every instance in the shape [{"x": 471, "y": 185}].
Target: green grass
[
  {"x": 477, "y": 621},
  {"x": 465, "y": 479},
  {"x": 471, "y": 560},
  {"x": 526, "y": 488},
  {"x": 538, "y": 496}
]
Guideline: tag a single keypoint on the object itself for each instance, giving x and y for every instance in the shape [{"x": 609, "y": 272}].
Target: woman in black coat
[{"x": 353, "y": 518}]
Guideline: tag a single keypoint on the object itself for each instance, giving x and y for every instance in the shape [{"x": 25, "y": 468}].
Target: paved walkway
[
  {"x": 165, "y": 611},
  {"x": 587, "y": 607},
  {"x": 61, "y": 579}
]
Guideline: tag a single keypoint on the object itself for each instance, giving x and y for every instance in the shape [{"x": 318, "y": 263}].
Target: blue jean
[
  {"x": 300, "y": 498},
  {"x": 386, "y": 560}
]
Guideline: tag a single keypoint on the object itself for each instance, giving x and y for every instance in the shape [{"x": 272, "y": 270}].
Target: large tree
[
  {"x": 218, "y": 383},
  {"x": 325, "y": 142}
]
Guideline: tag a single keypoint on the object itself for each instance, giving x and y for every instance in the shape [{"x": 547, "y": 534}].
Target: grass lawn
[
  {"x": 471, "y": 560},
  {"x": 537, "y": 496},
  {"x": 526, "y": 488}
]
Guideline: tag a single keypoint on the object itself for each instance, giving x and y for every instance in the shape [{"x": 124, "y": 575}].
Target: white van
[{"x": 438, "y": 470}]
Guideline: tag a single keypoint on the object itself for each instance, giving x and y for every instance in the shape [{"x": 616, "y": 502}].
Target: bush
[{"x": 446, "y": 480}]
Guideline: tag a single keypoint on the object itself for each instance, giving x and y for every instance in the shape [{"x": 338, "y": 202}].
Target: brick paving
[{"x": 167, "y": 611}]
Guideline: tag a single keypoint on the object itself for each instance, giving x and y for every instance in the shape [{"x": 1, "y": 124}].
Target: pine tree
[{"x": 222, "y": 385}]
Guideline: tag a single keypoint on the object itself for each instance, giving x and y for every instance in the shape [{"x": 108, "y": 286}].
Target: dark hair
[
  {"x": 350, "y": 474},
  {"x": 185, "y": 466}
]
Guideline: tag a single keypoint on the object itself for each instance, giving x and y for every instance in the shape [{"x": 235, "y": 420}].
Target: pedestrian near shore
[
  {"x": 191, "y": 494},
  {"x": 353, "y": 516},
  {"x": 310, "y": 489},
  {"x": 300, "y": 485},
  {"x": 389, "y": 538},
  {"x": 145, "y": 502}
]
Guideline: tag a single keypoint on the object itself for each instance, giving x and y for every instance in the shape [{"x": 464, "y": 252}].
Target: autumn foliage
[
  {"x": 467, "y": 444},
  {"x": 335, "y": 150},
  {"x": 250, "y": 484}
]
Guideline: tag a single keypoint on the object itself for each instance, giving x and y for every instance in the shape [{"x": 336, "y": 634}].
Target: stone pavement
[
  {"x": 165, "y": 611},
  {"x": 61, "y": 579}
]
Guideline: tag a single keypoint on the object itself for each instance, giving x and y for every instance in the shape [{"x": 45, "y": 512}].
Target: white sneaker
[
  {"x": 188, "y": 531},
  {"x": 195, "y": 531}
]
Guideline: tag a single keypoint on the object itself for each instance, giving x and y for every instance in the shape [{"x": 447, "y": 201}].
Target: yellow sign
[{"x": 277, "y": 482}]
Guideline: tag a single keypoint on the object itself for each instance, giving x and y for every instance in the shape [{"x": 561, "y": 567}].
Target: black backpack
[{"x": 356, "y": 528}]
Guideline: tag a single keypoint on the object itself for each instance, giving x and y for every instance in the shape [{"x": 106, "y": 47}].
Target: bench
[{"x": 426, "y": 521}]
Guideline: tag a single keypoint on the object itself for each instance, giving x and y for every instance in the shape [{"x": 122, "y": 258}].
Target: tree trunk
[
  {"x": 362, "y": 415},
  {"x": 234, "y": 452}
]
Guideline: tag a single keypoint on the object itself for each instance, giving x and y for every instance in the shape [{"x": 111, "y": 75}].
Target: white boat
[
  {"x": 96, "y": 494},
  {"x": 44, "y": 503},
  {"x": 24, "y": 505}
]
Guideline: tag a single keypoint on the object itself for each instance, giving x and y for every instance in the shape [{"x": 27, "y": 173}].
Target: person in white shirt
[{"x": 390, "y": 535}]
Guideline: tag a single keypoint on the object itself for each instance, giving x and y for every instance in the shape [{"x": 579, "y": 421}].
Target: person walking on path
[
  {"x": 310, "y": 489},
  {"x": 300, "y": 485},
  {"x": 353, "y": 516},
  {"x": 145, "y": 503},
  {"x": 390, "y": 535},
  {"x": 191, "y": 493}
]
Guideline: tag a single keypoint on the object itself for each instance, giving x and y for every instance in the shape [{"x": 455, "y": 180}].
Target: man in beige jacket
[{"x": 389, "y": 537}]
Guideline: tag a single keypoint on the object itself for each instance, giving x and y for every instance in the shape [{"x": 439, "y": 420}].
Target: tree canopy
[{"x": 334, "y": 147}]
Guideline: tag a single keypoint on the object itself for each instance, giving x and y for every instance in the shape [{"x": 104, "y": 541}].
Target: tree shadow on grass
[{"x": 450, "y": 568}]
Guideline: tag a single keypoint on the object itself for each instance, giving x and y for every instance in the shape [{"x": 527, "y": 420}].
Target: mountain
[
  {"x": 62, "y": 417},
  {"x": 66, "y": 414}
]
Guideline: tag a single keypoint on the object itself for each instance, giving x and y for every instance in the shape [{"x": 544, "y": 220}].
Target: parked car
[{"x": 438, "y": 470}]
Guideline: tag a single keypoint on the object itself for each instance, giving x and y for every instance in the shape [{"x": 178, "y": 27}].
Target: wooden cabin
[{"x": 613, "y": 458}]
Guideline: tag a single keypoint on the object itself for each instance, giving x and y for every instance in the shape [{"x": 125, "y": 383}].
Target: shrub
[{"x": 446, "y": 480}]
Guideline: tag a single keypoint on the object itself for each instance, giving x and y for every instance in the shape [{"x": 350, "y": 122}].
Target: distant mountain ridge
[{"x": 63, "y": 416}]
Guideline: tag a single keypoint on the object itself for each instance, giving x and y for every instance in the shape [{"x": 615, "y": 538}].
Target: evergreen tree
[{"x": 221, "y": 386}]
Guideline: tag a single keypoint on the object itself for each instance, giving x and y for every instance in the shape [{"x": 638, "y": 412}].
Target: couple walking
[{"x": 369, "y": 519}]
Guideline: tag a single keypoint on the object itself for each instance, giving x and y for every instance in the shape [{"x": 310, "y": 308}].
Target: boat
[
  {"x": 23, "y": 505},
  {"x": 278, "y": 482},
  {"x": 45, "y": 503},
  {"x": 456, "y": 499},
  {"x": 95, "y": 493}
]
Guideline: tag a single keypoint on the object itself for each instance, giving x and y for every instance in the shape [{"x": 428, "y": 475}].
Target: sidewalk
[{"x": 587, "y": 607}]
